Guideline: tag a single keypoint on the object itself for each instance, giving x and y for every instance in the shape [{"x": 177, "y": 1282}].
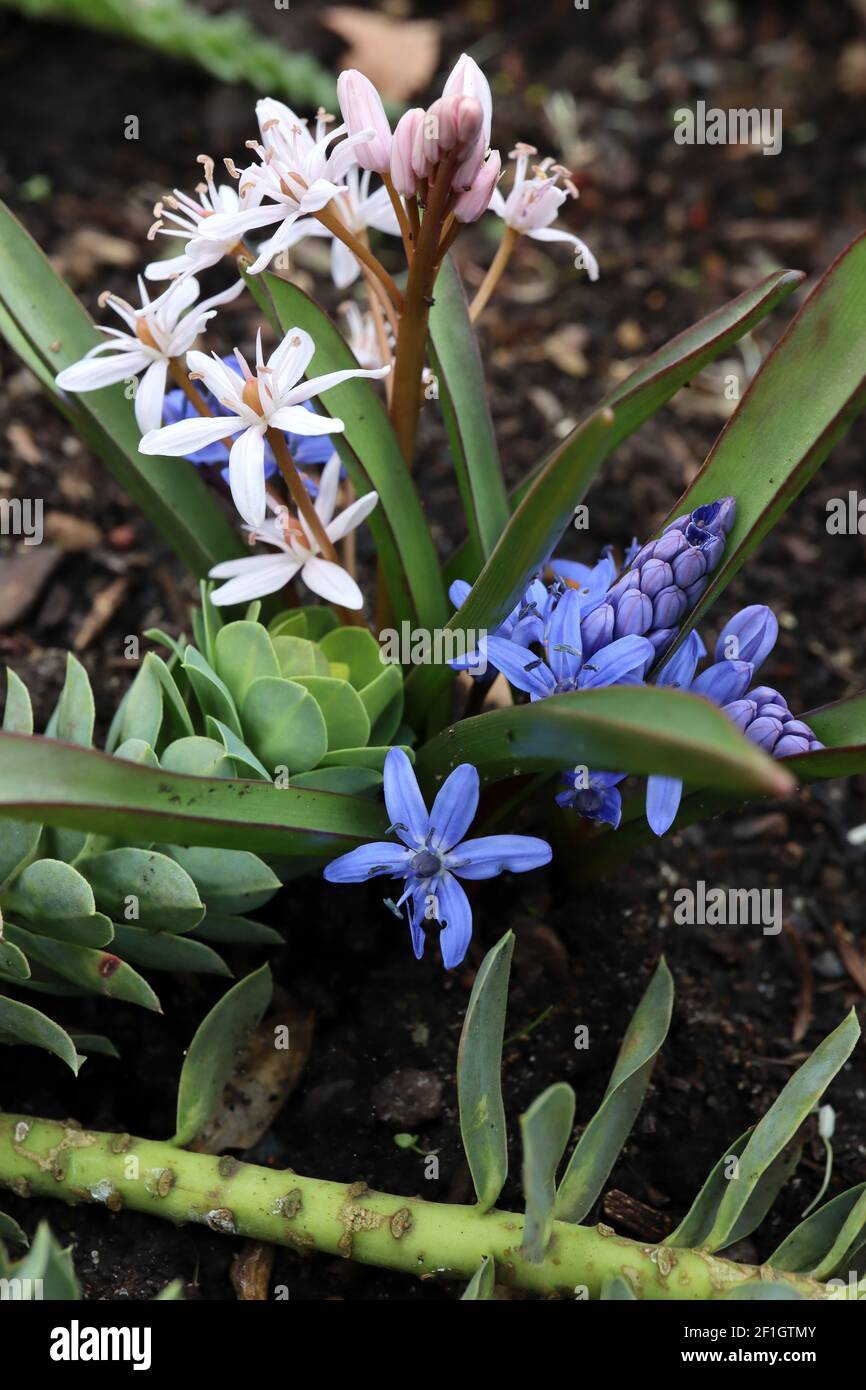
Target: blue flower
[
  {"x": 595, "y": 797},
  {"x": 563, "y": 666},
  {"x": 308, "y": 451},
  {"x": 433, "y": 851}
]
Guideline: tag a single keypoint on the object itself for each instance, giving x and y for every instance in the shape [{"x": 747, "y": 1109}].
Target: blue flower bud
[
  {"x": 655, "y": 575},
  {"x": 791, "y": 744},
  {"x": 689, "y": 566},
  {"x": 741, "y": 712},
  {"x": 669, "y": 607},
  {"x": 596, "y": 630},
  {"x": 764, "y": 732},
  {"x": 723, "y": 682},
  {"x": 749, "y": 636},
  {"x": 634, "y": 614}
]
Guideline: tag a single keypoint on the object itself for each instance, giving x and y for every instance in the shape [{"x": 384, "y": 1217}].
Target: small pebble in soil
[{"x": 408, "y": 1097}]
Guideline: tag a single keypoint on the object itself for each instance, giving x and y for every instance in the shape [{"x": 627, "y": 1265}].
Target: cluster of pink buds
[{"x": 451, "y": 135}]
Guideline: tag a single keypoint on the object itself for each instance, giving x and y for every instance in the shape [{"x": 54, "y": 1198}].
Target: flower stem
[
  {"x": 412, "y": 337},
  {"x": 46, "y": 1158},
  {"x": 402, "y": 216},
  {"x": 491, "y": 280},
  {"x": 337, "y": 228},
  {"x": 310, "y": 517}
]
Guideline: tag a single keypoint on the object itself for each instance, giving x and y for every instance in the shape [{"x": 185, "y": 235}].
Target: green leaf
[
  {"x": 161, "y": 951},
  {"x": 698, "y": 1221},
  {"x": 346, "y": 721},
  {"x": 600, "y": 1143},
  {"x": 57, "y": 900},
  {"x": 243, "y": 653},
  {"x": 19, "y": 1023},
  {"x": 13, "y": 962},
  {"x": 213, "y": 695},
  {"x": 357, "y": 649},
  {"x": 523, "y": 546},
  {"x": 463, "y": 397},
  {"x": 99, "y": 972},
  {"x": 142, "y": 708},
  {"x": 172, "y": 1293},
  {"x": 481, "y": 1285},
  {"x": 803, "y": 399},
  {"x": 93, "y": 1042},
  {"x": 479, "y": 1085},
  {"x": 75, "y": 715},
  {"x": 53, "y": 782},
  {"x": 244, "y": 758},
  {"x": 284, "y": 724},
  {"x": 11, "y": 1231},
  {"x": 545, "y": 1130},
  {"x": 17, "y": 712},
  {"x": 49, "y": 317},
  {"x": 651, "y": 385},
  {"x": 383, "y": 701},
  {"x": 229, "y": 880},
  {"x": 212, "y": 1052},
  {"x": 162, "y": 893},
  {"x": 372, "y": 459},
  {"x": 299, "y": 657},
  {"x": 235, "y": 931},
  {"x": 177, "y": 721},
  {"x": 639, "y": 729},
  {"x": 197, "y": 756},
  {"x": 781, "y": 1122},
  {"x": 19, "y": 840},
  {"x": 825, "y": 1241},
  {"x": 49, "y": 1263}
]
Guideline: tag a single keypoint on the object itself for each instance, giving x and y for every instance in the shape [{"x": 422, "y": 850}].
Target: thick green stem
[{"x": 49, "y": 1159}]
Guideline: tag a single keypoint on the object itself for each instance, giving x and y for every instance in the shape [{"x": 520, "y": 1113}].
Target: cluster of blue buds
[
  {"x": 764, "y": 717},
  {"x": 667, "y": 577}
]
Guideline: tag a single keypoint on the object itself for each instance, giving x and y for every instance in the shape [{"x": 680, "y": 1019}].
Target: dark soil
[{"x": 678, "y": 230}]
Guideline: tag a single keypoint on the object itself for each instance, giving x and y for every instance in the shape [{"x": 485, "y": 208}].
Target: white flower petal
[
  {"x": 317, "y": 384},
  {"x": 556, "y": 234},
  {"x": 291, "y": 359},
  {"x": 261, "y": 574},
  {"x": 150, "y": 396},
  {"x": 187, "y": 436},
  {"x": 92, "y": 373},
  {"x": 332, "y": 583},
  {"x": 352, "y": 516},
  {"x": 329, "y": 482},
  {"x": 344, "y": 265},
  {"x": 247, "y": 475},
  {"x": 300, "y": 421}
]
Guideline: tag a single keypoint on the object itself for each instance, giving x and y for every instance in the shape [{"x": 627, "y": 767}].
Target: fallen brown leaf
[
  {"x": 102, "y": 610},
  {"x": 250, "y": 1271},
  {"x": 399, "y": 56}
]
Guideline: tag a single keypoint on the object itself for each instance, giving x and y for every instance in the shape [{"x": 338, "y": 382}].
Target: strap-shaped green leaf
[
  {"x": 523, "y": 545},
  {"x": 802, "y": 400},
  {"x": 229, "y": 881},
  {"x": 545, "y": 1130},
  {"x": 372, "y": 459},
  {"x": 826, "y": 1241},
  {"x": 42, "y": 780},
  {"x": 212, "y": 1052},
  {"x": 635, "y": 728},
  {"x": 51, "y": 1265},
  {"x": 615, "y": 1287},
  {"x": 479, "y": 1081},
  {"x": 652, "y": 384},
  {"x": 74, "y": 717},
  {"x": 463, "y": 397},
  {"x": 600, "y": 1143},
  {"x": 781, "y": 1122},
  {"x": 162, "y": 951},
  {"x": 49, "y": 317},
  {"x": 696, "y": 1225},
  {"x": 481, "y": 1285}
]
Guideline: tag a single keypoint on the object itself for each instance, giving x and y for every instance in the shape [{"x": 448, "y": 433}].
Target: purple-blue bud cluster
[
  {"x": 668, "y": 576},
  {"x": 764, "y": 717}
]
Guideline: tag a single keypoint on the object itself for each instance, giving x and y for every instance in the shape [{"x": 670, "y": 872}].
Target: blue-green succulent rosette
[{"x": 433, "y": 854}]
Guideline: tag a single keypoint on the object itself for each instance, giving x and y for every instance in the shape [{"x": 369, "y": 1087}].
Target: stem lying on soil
[{"x": 49, "y": 1159}]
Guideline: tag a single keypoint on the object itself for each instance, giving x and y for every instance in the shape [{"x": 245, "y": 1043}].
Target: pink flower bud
[
  {"x": 467, "y": 79},
  {"x": 475, "y": 200},
  {"x": 362, "y": 110},
  {"x": 402, "y": 172},
  {"x": 469, "y": 122}
]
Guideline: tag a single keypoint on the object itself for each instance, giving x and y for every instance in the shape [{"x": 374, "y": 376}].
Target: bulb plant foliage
[{"x": 286, "y": 737}]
